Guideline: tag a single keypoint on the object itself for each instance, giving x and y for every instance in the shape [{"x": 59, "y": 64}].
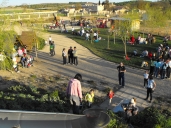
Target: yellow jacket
[{"x": 89, "y": 97}]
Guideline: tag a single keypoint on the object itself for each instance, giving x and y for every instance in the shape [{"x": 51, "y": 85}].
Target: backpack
[{"x": 51, "y": 47}]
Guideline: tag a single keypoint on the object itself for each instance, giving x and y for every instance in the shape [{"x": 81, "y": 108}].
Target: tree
[
  {"x": 123, "y": 31},
  {"x": 78, "y": 6},
  {"x": 94, "y": 24},
  {"x": 24, "y": 6},
  {"x": 106, "y": 5}
]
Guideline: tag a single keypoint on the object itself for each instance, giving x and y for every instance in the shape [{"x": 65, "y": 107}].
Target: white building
[{"x": 92, "y": 7}]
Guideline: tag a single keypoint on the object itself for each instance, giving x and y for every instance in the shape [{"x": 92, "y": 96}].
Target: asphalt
[{"x": 95, "y": 68}]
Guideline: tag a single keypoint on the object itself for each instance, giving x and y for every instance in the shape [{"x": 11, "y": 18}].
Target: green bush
[
  {"x": 54, "y": 96},
  {"x": 6, "y": 47},
  {"x": 116, "y": 121},
  {"x": 151, "y": 117},
  {"x": 41, "y": 43},
  {"x": 32, "y": 99}
]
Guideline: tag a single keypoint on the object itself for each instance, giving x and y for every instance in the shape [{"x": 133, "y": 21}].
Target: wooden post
[
  {"x": 108, "y": 43},
  {"x": 114, "y": 36}
]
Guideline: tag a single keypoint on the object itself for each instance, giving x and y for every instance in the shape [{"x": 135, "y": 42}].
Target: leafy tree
[
  {"x": 155, "y": 19},
  {"x": 7, "y": 39},
  {"x": 78, "y": 6},
  {"x": 124, "y": 28}
]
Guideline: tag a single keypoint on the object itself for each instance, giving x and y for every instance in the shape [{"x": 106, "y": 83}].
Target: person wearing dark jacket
[
  {"x": 121, "y": 70},
  {"x": 70, "y": 55}
]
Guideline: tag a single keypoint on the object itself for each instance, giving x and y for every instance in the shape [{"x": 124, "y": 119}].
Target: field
[{"x": 115, "y": 53}]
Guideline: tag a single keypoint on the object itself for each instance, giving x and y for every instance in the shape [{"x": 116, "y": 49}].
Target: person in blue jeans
[
  {"x": 121, "y": 70},
  {"x": 150, "y": 88},
  {"x": 157, "y": 68},
  {"x": 163, "y": 70}
]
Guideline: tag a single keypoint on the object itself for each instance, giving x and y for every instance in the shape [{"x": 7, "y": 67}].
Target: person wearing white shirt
[
  {"x": 82, "y": 32},
  {"x": 87, "y": 36},
  {"x": 64, "y": 55},
  {"x": 95, "y": 35},
  {"x": 72, "y": 29},
  {"x": 50, "y": 39},
  {"x": 150, "y": 88},
  {"x": 146, "y": 78}
]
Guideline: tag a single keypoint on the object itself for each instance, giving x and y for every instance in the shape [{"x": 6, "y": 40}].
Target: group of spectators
[
  {"x": 150, "y": 39},
  {"x": 72, "y": 56},
  {"x": 86, "y": 33},
  {"x": 160, "y": 67},
  {"x": 22, "y": 57}
]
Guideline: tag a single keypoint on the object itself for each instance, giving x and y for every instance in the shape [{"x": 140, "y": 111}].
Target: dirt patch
[{"x": 43, "y": 80}]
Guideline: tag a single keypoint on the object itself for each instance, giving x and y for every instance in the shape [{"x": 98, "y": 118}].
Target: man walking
[
  {"x": 75, "y": 61},
  {"x": 121, "y": 70}
]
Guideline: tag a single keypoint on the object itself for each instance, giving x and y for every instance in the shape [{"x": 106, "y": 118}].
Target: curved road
[{"x": 94, "y": 68}]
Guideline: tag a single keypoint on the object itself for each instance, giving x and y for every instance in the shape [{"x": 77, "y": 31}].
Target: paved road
[{"x": 94, "y": 68}]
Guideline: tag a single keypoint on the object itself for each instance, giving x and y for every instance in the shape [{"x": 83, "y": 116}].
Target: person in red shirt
[
  {"x": 110, "y": 95},
  {"x": 150, "y": 55},
  {"x": 132, "y": 40}
]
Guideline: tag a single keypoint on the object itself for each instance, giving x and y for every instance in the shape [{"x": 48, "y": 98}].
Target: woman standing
[
  {"x": 150, "y": 87},
  {"x": 64, "y": 55},
  {"x": 152, "y": 66},
  {"x": 74, "y": 92}
]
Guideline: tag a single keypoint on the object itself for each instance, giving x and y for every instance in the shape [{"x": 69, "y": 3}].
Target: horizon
[{"x": 31, "y": 2}]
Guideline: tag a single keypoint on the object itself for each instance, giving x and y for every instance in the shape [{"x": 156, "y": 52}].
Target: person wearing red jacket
[{"x": 110, "y": 95}]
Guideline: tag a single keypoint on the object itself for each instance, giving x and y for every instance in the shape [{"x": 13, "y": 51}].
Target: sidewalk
[
  {"x": 95, "y": 68},
  {"x": 128, "y": 93}
]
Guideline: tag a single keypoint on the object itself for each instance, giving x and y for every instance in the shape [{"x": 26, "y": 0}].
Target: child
[
  {"x": 90, "y": 98},
  {"x": 146, "y": 78},
  {"x": 110, "y": 95}
]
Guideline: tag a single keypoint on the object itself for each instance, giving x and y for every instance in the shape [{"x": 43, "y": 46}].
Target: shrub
[
  {"x": 151, "y": 117},
  {"x": 41, "y": 43},
  {"x": 116, "y": 121},
  {"x": 32, "y": 99},
  {"x": 54, "y": 96}
]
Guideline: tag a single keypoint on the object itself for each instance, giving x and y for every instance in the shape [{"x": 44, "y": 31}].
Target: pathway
[{"x": 94, "y": 68}]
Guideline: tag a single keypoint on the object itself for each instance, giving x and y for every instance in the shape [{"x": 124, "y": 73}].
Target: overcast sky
[{"x": 20, "y": 2}]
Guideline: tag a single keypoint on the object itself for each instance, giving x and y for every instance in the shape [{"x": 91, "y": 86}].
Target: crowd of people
[
  {"x": 150, "y": 39},
  {"x": 86, "y": 33},
  {"x": 160, "y": 65},
  {"x": 72, "y": 55},
  {"x": 20, "y": 56}
]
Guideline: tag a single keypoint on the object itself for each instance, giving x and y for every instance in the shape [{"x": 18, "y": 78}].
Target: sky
[{"x": 20, "y": 2}]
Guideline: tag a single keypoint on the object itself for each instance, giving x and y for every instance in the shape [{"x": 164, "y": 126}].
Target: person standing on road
[
  {"x": 51, "y": 49},
  {"x": 75, "y": 56},
  {"x": 121, "y": 70},
  {"x": 152, "y": 66},
  {"x": 70, "y": 55},
  {"x": 53, "y": 43},
  {"x": 146, "y": 78},
  {"x": 74, "y": 92},
  {"x": 168, "y": 68},
  {"x": 64, "y": 55},
  {"x": 110, "y": 95},
  {"x": 50, "y": 39},
  {"x": 150, "y": 88}
]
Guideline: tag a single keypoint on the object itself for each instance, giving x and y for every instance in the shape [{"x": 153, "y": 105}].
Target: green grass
[{"x": 116, "y": 51}]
